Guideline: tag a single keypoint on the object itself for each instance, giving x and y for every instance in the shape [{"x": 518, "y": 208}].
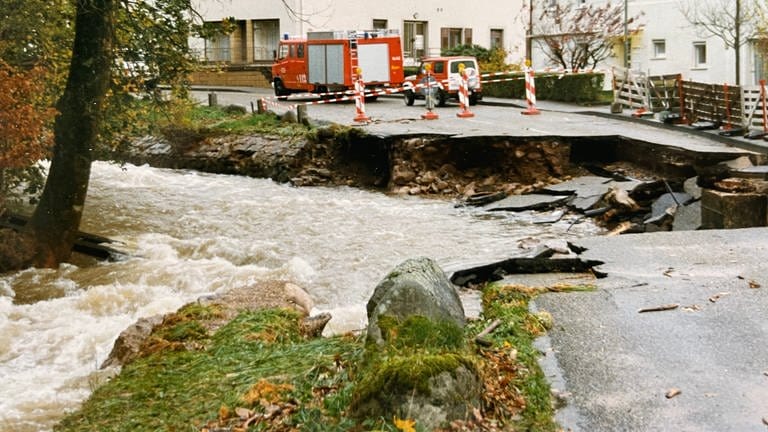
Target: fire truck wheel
[
  {"x": 280, "y": 89},
  {"x": 409, "y": 97},
  {"x": 442, "y": 98}
]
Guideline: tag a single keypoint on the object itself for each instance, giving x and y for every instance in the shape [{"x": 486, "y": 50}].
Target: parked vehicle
[
  {"x": 325, "y": 61},
  {"x": 446, "y": 80}
]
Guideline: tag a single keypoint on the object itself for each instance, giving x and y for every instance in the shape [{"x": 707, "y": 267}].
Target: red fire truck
[{"x": 325, "y": 61}]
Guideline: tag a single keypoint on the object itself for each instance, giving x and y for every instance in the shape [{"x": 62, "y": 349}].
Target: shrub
[{"x": 580, "y": 88}]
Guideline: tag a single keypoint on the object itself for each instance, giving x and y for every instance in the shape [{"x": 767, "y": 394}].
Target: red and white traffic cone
[
  {"x": 360, "y": 116},
  {"x": 464, "y": 111},
  {"x": 530, "y": 93}
]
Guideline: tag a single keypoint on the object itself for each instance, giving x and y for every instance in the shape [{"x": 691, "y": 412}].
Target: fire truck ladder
[{"x": 353, "y": 54}]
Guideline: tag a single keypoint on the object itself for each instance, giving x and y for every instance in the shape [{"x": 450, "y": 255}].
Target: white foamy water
[{"x": 196, "y": 234}]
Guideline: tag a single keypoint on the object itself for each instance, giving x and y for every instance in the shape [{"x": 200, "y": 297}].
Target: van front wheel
[{"x": 409, "y": 97}]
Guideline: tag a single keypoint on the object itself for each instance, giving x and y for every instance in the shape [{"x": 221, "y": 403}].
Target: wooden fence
[
  {"x": 630, "y": 88},
  {"x": 753, "y": 107},
  {"x": 694, "y": 102},
  {"x": 716, "y": 103}
]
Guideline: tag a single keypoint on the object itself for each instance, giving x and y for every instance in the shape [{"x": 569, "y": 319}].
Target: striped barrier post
[
  {"x": 360, "y": 115},
  {"x": 530, "y": 92},
  {"x": 464, "y": 111},
  {"x": 429, "y": 115}
]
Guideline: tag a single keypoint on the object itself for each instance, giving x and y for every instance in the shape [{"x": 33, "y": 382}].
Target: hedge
[{"x": 581, "y": 88}]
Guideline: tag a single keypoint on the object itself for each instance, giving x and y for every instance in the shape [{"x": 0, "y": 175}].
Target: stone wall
[{"x": 234, "y": 76}]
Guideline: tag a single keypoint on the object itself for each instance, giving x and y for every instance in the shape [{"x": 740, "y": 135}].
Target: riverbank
[
  {"x": 662, "y": 255},
  {"x": 258, "y": 370},
  {"x": 502, "y": 406}
]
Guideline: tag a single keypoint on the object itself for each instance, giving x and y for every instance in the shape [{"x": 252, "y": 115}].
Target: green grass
[
  {"x": 189, "y": 378},
  {"x": 259, "y": 123},
  {"x": 182, "y": 390},
  {"x": 518, "y": 331}
]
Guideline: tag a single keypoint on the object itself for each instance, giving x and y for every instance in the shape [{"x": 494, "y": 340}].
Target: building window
[
  {"x": 758, "y": 60},
  {"x": 659, "y": 48},
  {"x": 497, "y": 38},
  {"x": 415, "y": 40},
  {"x": 379, "y": 24},
  {"x": 217, "y": 49},
  {"x": 266, "y": 35},
  {"x": 451, "y": 37},
  {"x": 699, "y": 54}
]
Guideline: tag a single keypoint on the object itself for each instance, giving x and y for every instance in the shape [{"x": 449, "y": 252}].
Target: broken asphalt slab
[
  {"x": 527, "y": 202},
  {"x": 615, "y": 365},
  {"x": 581, "y": 193},
  {"x": 588, "y": 190}
]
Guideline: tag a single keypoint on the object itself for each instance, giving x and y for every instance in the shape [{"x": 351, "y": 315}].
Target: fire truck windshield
[{"x": 283, "y": 52}]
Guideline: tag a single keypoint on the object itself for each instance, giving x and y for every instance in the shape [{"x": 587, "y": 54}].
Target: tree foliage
[
  {"x": 493, "y": 59},
  {"x": 96, "y": 52},
  {"x": 25, "y": 135},
  {"x": 24, "y": 138},
  {"x": 578, "y": 36},
  {"x": 35, "y": 41},
  {"x": 38, "y": 33}
]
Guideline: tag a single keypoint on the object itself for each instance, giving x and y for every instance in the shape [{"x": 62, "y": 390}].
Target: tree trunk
[{"x": 56, "y": 219}]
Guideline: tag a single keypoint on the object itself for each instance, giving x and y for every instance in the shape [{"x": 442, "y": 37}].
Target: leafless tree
[
  {"x": 735, "y": 23},
  {"x": 578, "y": 36},
  {"x": 297, "y": 12}
]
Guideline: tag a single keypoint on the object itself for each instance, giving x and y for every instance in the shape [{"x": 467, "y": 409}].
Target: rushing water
[{"x": 196, "y": 234}]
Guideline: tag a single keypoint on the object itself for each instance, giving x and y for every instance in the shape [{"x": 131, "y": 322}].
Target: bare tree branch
[
  {"x": 578, "y": 37},
  {"x": 306, "y": 17},
  {"x": 735, "y": 23},
  {"x": 719, "y": 18}
]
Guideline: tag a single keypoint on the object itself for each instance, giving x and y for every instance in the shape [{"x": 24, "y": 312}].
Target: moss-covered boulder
[
  {"x": 418, "y": 286},
  {"x": 417, "y": 364},
  {"x": 430, "y": 389}
]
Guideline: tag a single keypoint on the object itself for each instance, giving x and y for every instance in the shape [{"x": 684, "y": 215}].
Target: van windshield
[{"x": 467, "y": 64}]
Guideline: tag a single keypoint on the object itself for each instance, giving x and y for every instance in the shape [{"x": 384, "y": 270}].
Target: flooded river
[{"x": 195, "y": 234}]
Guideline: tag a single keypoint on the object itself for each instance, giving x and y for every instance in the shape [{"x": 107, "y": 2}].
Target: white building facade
[
  {"x": 426, "y": 27},
  {"x": 662, "y": 40},
  {"x": 667, "y": 43}
]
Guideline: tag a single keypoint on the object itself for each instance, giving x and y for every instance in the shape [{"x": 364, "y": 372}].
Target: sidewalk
[
  {"x": 756, "y": 145},
  {"x": 615, "y": 365}
]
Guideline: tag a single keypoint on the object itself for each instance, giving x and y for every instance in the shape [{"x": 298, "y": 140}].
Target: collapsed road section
[{"x": 631, "y": 185}]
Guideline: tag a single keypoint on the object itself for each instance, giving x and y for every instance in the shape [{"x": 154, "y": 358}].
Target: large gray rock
[
  {"x": 418, "y": 286},
  {"x": 128, "y": 344}
]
